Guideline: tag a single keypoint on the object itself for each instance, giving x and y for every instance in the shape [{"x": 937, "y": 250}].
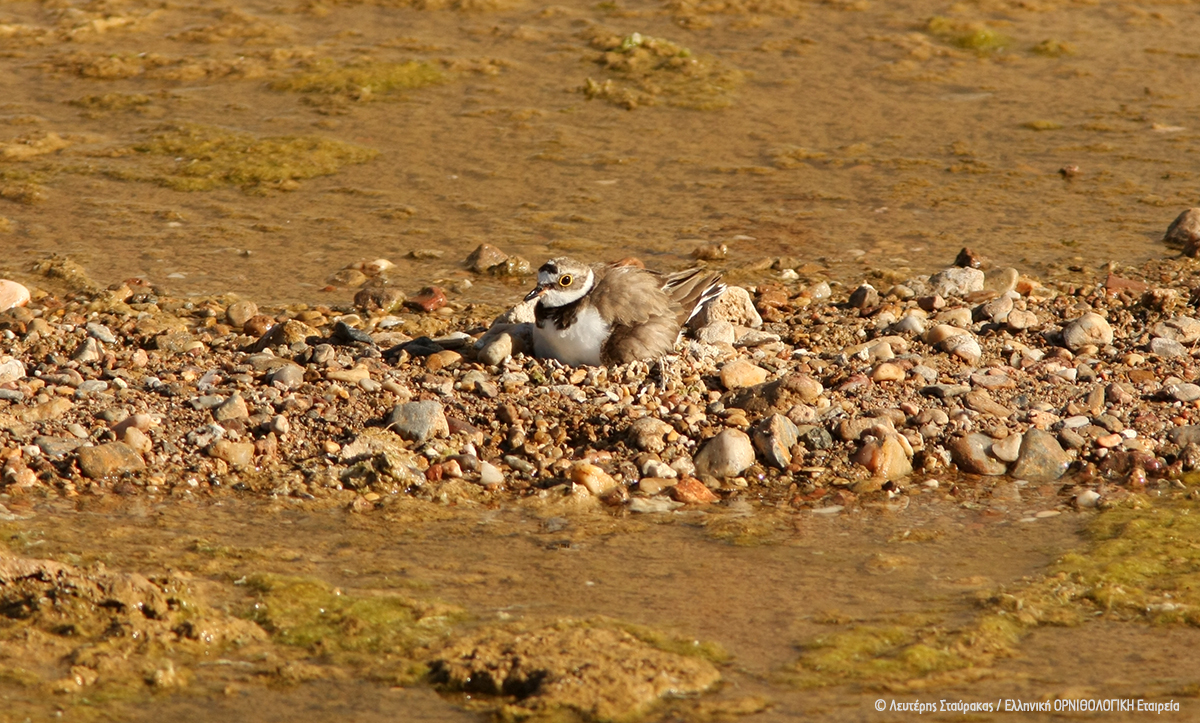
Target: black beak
[{"x": 537, "y": 291}]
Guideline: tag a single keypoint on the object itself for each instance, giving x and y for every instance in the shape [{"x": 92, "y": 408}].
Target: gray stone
[
  {"x": 774, "y": 438},
  {"x": 716, "y": 332},
  {"x": 726, "y": 455},
  {"x": 91, "y": 386},
  {"x": 288, "y": 376},
  {"x": 815, "y": 438},
  {"x": 1185, "y": 231},
  {"x": 56, "y": 447},
  {"x": 864, "y": 297},
  {"x": 1185, "y": 435},
  {"x": 109, "y": 459},
  {"x": 972, "y": 453},
  {"x": 100, "y": 332},
  {"x": 1183, "y": 329},
  {"x": 419, "y": 421},
  {"x": 650, "y": 505},
  {"x": 956, "y": 281},
  {"x": 1186, "y": 392},
  {"x": 647, "y": 434},
  {"x": 232, "y": 408},
  {"x": 1167, "y": 348},
  {"x": 484, "y": 257},
  {"x": 1091, "y": 328},
  {"x": 945, "y": 391},
  {"x": 964, "y": 347},
  {"x": 88, "y": 352},
  {"x": 1042, "y": 459},
  {"x": 910, "y": 324}
]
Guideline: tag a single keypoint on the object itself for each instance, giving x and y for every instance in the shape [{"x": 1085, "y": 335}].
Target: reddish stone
[
  {"x": 430, "y": 298},
  {"x": 771, "y": 296},
  {"x": 1116, "y": 284},
  {"x": 434, "y": 473},
  {"x": 257, "y": 325},
  {"x": 692, "y": 491}
]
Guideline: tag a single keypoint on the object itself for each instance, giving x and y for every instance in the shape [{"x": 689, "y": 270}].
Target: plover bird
[{"x": 604, "y": 314}]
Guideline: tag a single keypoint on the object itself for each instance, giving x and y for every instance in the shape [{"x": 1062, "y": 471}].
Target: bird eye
[{"x": 565, "y": 280}]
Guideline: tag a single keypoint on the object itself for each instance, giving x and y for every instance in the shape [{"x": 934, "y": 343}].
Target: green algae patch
[
  {"x": 1142, "y": 563},
  {"x": 362, "y": 81},
  {"x": 651, "y": 71},
  {"x": 678, "y": 644},
  {"x": 383, "y": 634},
  {"x": 567, "y": 670},
  {"x": 967, "y": 35},
  {"x": 191, "y": 157}
]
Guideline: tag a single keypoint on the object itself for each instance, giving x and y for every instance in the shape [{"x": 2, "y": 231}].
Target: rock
[
  {"x": 864, "y": 297},
  {"x": 1184, "y": 231},
  {"x": 107, "y": 460},
  {"x": 886, "y": 459},
  {"x": 733, "y": 305},
  {"x": 816, "y": 438},
  {"x": 240, "y": 312},
  {"x": 512, "y": 266},
  {"x": 941, "y": 333},
  {"x": 1007, "y": 449},
  {"x": 11, "y": 369},
  {"x": 1183, "y": 329},
  {"x": 12, "y": 295},
  {"x": 419, "y": 421},
  {"x": 1001, "y": 281},
  {"x": 774, "y": 437},
  {"x": 1091, "y": 328},
  {"x": 1087, "y": 499},
  {"x": 349, "y": 278},
  {"x": 57, "y": 447},
  {"x": 911, "y": 324},
  {"x": 239, "y": 455},
  {"x": 658, "y": 469},
  {"x": 88, "y": 352},
  {"x": 484, "y": 257},
  {"x": 1167, "y": 348},
  {"x": 718, "y": 332},
  {"x": 1042, "y": 459},
  {"x": 100, "y": 332},
  {"x": 956, "y": 281},
  {"x": 1019, "y": 320},
  {"x": 888, "y": 372},
  {"x": 778, "y": 395},
  {"x": 741, "y": 373},
  {"x": 1185, "y": 435},
  {"x": 288, "y": 376},
  {"x": 503, "y": 341},
  {"x": 945, "y": 391},
  {"x": 972, "y": 453},
  {"x": 968, "y": 258},
  {"x": 596, "y": 480},
  {"x": 726, "y": 455},
  {"x": 647, "y": 434},
  {"x": 710, "y": 252},
  {"x": 691, "y": 491},
  {"x": 379, "y": 298},
  {"x": 232, "y": 408},
  {"x": 648, "y": 505},
  {"x": 285, "y": 334},
  {"x": 1185, "y": 392},
  {"x": 964, "y": 347},
  {"x": 959, "y": 316},
  {"x": 981, "y": 402},
  {"x": 137, "y": 440},
  {"x": 490, "y": 475},
  {"x": 996, "y": 310},
  {"x": 428, "y": 299}
]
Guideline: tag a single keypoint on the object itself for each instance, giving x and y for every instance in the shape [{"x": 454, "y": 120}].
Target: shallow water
[
  {"x": 786, "y": 579},
  {"x": 852, "y": 136}
]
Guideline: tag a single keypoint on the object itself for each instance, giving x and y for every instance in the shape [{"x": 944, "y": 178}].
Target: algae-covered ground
[{"x": 576, "y": 617}]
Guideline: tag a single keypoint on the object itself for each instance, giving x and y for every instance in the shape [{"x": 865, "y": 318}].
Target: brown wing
[
  {"x": 628, "y": 296},
  {"x": 690, "y": 288}
]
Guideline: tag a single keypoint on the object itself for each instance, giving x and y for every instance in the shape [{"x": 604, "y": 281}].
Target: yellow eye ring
[{"x": 565, "y": 280}]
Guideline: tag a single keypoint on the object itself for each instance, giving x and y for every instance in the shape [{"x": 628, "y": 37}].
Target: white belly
[{"x": 577, "y": 344}]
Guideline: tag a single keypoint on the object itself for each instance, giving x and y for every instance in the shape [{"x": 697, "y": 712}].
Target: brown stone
[
  {"x": 109, "y": 459},
  {"x": 430, "y": 298},
  {"x": 692, "y": 491}
]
